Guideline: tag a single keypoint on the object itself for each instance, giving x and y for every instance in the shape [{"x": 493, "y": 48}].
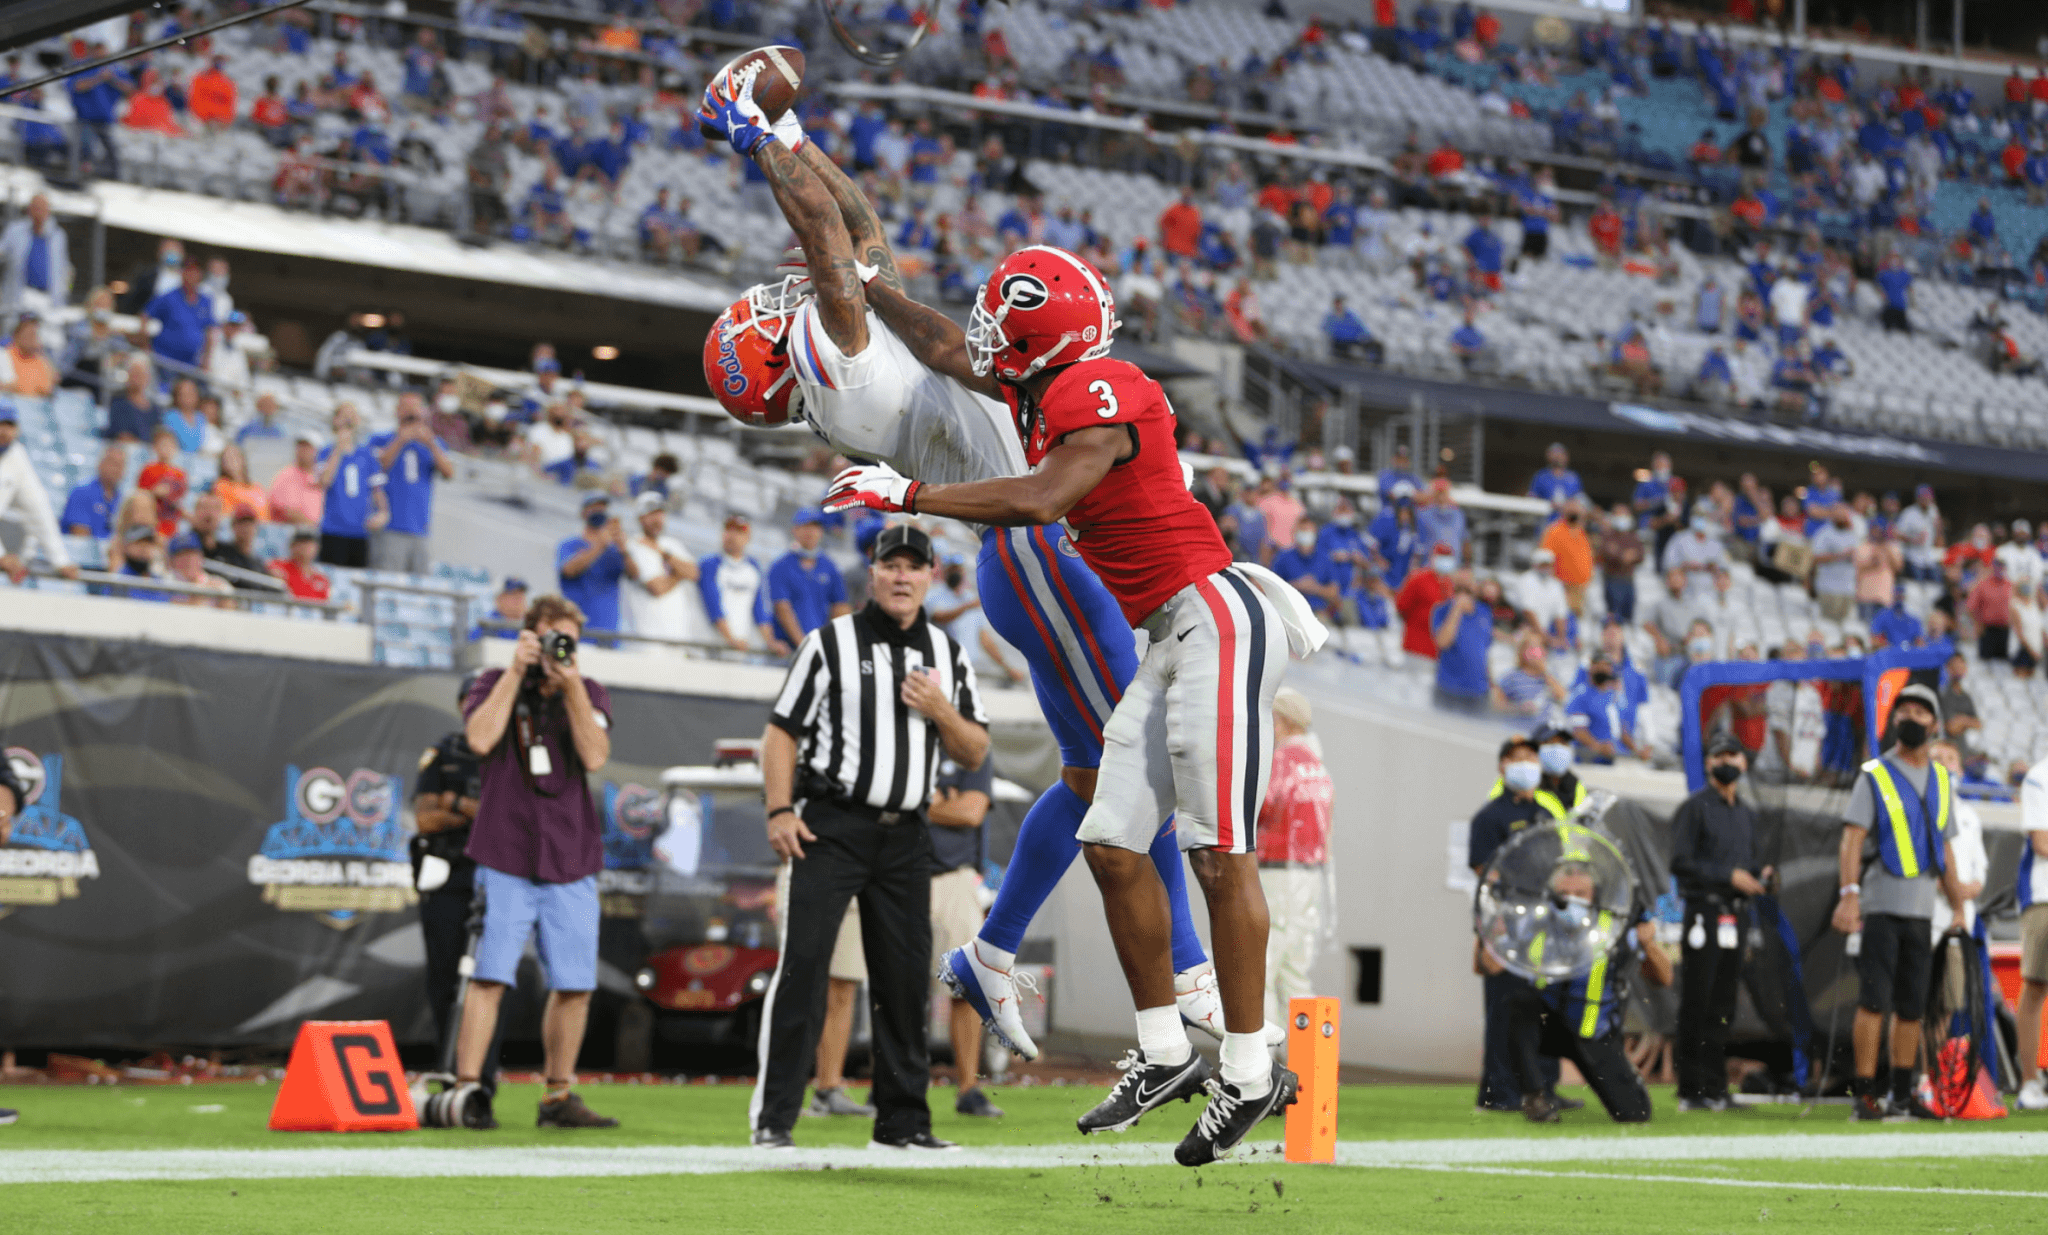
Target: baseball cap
[
  {"x": 904, "y": 537},
  {"x": 808, "y": 514},
  {"x": 186, "y": 542},
  {"x": 7, "y": 414},
  {"x": 737, "y": 519},
  {"x": 1444, "y": 548},
  {"x": 595, "y": 499},
  {"x": 1546, "y": 734},
  {"x": 245, "y": 512},
  {"x": 513, "y": 583},
  {"x": 307, "y": 436},
  {"x": 1921, "y": 694},
  {"x": 1541, "y": 556},
  {"x": 1726, "y": 743},
  {"x": 866, "y": 530},
  {"x": 648, "y": 501}
]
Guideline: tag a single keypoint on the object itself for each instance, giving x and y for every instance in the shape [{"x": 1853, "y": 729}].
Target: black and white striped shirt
[{"x": 843, "y": 703}]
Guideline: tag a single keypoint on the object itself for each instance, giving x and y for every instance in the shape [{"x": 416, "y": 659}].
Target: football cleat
[
  {"x": 1229, "y": 1117},
  {"x": 992, "y": 993},
  {"x": 1143, "y": 1087},
  {"x": 1194, "y": 993}
]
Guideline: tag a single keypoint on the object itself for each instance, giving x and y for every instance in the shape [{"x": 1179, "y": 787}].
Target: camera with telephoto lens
[{"x": 555, "y": 645}]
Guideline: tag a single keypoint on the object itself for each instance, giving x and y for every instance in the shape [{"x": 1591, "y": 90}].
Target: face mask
[
  {"x": 1662, "y": 473},
  {"x": 1602, "y": 681},
  {"x": 597, "y": 519},
  {"x": 1700, "y": 648},
  {"x": 1443, "y": 565},
  {"x": 1981, "y": 540},
  {"x": 1912, "y": 734},
  {"x": 1556, "y": 757},
  {"x": 954, "y": 578},
  {"x": 1816, "y": 650},
  {"x": 1623, "y": 523},
  {"x": 1304, "y": 541},
  {"x": 1704, "y": 527},
  {"x": 1345, "y": 519},
  {"x": 1725, "y": 773},
  {"x": 1523, "y": 776},
  {"x": 450, "y": 404}
]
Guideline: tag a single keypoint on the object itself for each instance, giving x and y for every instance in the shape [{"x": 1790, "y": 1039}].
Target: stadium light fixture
[{"x": 605, "y": 351}]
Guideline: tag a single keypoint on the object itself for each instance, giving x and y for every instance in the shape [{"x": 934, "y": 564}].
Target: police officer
[
  {"x": 1713, "y": 857},
  {"x": 1895, "y": 852},
  {"x": 1512, "y": 808},
  {"x": 443, "y": 806}
]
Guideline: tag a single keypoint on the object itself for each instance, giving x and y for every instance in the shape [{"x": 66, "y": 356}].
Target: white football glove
[{"x": 877, "y": 487}]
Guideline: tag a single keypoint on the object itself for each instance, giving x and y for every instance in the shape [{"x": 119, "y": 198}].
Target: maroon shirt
[{"x": 519, "y": 832}]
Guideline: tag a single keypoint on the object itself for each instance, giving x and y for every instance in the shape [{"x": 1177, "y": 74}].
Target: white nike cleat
[
  {"x": 992, "y": 993},
  {"x": 1194, "y": 992},
  {"x": 2033, "y": 1096}
]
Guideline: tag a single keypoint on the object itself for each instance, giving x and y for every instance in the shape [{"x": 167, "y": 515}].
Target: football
[{"x": 775, "y": 85}]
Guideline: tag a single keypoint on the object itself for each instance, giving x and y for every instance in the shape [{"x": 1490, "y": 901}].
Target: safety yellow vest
[
  {"x": 1899, "y": 841},
  {"x": 1548, "y": 800}
]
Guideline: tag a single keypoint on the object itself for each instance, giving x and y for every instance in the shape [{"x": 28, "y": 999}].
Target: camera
[{"x": 555, "y": 645}]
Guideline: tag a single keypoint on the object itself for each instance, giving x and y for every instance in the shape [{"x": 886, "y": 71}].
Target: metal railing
[{"x": 101, "y": 582}]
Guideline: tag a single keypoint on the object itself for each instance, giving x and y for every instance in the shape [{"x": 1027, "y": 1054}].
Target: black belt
[{"x": 874, "y": 814}]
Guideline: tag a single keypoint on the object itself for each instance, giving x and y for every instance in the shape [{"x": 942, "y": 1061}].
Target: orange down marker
[
  {"x": 1312, "y": 1053},
  {"x": 344, "y": 1076}
]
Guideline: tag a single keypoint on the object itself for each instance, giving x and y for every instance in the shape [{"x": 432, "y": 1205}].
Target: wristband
[
  {"x": 782, "y": 810},
  {"x": 1850, "y": 889}
]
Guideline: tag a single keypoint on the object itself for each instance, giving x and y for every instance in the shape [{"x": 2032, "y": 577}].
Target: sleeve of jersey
[
  {"x": 818, "y": 360},
  {"x": 1100, "y": 392},
  {"x": 707, "y": 588}
]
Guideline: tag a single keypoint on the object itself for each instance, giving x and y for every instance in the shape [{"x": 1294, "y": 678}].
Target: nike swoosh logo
[
  {"x": 1184, "y": 634},
  {"x": 1147, "y": 1096}
]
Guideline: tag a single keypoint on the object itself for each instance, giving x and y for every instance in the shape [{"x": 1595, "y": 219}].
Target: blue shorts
[
  {"x": 1044, "y": 601},
  {"x": 565, "y": 916}
]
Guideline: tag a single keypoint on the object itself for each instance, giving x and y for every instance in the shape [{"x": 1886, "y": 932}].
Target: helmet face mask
[
  {"x": 1040, "y": 306},
  {"x": 746, "y": 354}
]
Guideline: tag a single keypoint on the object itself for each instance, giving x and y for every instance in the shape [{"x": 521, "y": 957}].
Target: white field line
[
  {"x": 416, "y": 1161},
  {"x": 1766, "y": 1184}
]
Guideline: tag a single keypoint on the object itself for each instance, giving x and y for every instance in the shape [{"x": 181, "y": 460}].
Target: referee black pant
[
  {"x": 1709, "y": 981},
  {"x": 889, "y": 867}
]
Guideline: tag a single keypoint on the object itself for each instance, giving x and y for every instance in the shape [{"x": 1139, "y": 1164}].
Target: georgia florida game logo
[
  {"x": 632, "y": 819},
  {"x": 47, "y": 852},
  {"x": 340, "y": 849}
]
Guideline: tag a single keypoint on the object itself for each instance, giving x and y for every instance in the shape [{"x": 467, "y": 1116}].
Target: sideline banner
[{"x": 214, "y": 846}]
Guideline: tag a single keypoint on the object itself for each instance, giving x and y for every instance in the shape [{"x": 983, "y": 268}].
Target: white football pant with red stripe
[{"x": 1194, "y": 730}]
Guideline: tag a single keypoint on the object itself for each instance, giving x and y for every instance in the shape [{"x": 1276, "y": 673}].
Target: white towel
[{"x": 1306, "y": 634}]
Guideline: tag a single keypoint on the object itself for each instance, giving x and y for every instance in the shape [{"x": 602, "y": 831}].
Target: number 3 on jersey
[{"x": 1107, "y": 394}]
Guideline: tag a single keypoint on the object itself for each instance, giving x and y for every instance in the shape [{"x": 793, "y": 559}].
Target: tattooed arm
[
  {"x": 863, "y": 226},
  {"x": 935, "y": 339},
  {"x": 808, "y": 203}
]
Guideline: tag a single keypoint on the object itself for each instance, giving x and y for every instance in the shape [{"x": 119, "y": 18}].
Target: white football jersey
[{"x": 885, "y": 404}]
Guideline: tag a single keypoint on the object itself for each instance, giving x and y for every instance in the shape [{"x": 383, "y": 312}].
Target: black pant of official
[
  {"x": 1603, "y": 1061},
  {"x": 889, "y": 867},
  {"x": 1709, "y": 978},
  {"x": 444, "y": 920},
  {"x": 1500, "y": 1086}
]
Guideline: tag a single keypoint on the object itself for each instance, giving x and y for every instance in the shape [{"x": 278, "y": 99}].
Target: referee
[{"x": 873, "y": 702}]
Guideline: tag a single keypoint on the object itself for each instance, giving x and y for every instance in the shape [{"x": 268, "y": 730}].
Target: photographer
[
  {"x": 540, "y": 728},
  {"x": 443, "y": 807}
]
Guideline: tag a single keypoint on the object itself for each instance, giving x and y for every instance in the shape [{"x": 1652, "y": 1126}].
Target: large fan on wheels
[{"x": 1554, "y": 899}]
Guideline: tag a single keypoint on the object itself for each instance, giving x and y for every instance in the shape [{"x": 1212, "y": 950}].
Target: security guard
[
  {"x": 443, "y": 806},
  {"x": 1895, "y": 851},
  {"x": 1561, "y": 792},
  {"x": 1713, "y": 857},
  {"x": 1513, "y": 807}
]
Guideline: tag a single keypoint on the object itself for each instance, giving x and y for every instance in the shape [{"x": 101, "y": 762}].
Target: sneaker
[
  {"x": 916, "y": 1140},
  {"x": 1229, "y": 1118},
  {"x": 1194, "y": 992},
  {"x": 1568, "y": 1104},
  {"x": 2033, "y": 1097},
  {"x": 992, "y": 993},
  {"x": 975, "y": 1102},
  {"x": 772, "y": 1138},
  {"x": 568, "y": 1111},
  {"x": 1143, "y": 1087},
  {"x": 1909, "y": 1110},
  {"x": 1540, "y": 1108},
  {"x": 834, "y": 1101},
  {"x": 8, "y": 1116},
  {"x": 1870, "y": 1110},
  {"x": 1703, "y": 1104}
]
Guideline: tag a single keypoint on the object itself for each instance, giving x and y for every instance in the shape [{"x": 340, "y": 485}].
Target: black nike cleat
[
  {"x": 1229, "y": 1118},
  {"x": 1143, "y": 1087}
]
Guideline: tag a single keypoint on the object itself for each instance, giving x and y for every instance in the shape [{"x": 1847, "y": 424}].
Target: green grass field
[{"x": 1427, "y": 1163}]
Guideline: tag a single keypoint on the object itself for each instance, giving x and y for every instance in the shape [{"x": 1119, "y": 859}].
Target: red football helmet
[
  {"x": 1041, "y": 305},
  {"x": 746, "y": 355}
]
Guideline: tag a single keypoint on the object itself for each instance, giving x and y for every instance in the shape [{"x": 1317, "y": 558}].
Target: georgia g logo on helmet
[{"x": 1023, "y": 291}]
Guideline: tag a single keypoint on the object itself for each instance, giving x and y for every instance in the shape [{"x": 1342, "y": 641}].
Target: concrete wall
[{"x": 107, "y": 617}]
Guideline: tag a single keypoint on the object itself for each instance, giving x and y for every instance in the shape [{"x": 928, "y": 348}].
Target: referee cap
[{"x": 904, "y": 538}]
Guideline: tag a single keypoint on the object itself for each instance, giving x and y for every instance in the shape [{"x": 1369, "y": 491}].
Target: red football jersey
[{"x": 1140, "y": 529}]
